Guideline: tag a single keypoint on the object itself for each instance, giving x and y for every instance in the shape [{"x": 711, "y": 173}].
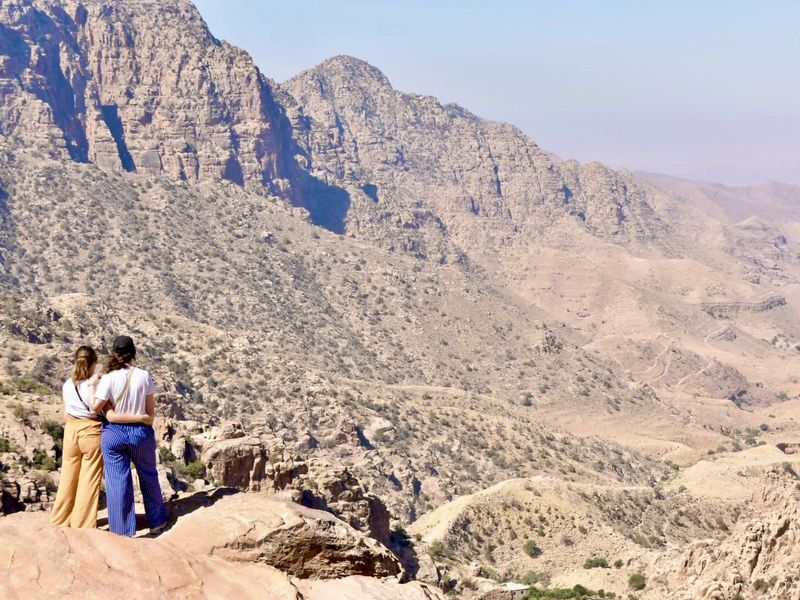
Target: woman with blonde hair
[{"x": 81, "y": 459}]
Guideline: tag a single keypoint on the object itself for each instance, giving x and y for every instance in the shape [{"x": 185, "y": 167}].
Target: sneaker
[{"x": 158, "y": 529}]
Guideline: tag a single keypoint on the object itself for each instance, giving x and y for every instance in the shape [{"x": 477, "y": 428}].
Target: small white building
[{"x": 517, "y": 590}]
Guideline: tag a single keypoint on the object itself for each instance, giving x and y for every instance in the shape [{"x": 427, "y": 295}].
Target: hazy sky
[{"x": 706, "y": 89}]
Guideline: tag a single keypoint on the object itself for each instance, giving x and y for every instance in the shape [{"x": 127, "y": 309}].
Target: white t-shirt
[
  {"x": 135, "y": 400},
  {"x": 72, "y": 404}
]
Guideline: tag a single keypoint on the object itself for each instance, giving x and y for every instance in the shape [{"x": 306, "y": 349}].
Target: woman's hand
[{"x": 115, "y": 417}]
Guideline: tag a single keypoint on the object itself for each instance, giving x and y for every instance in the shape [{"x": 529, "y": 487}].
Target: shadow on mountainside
[{"x": 327, "y": 204}]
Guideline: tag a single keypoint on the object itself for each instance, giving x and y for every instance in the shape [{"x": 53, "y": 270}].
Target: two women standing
[{"x": 125, "y": 394}]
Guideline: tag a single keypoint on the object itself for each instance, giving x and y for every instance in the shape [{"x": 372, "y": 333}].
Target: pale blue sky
[{"x": 706, "y": 89}]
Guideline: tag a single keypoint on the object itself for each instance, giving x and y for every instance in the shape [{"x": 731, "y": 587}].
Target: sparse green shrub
[
  {"x": 165, "y": 455},
  {"x": 595, "y": 563},
  {"x": 468, "y": 584},
  {"x": 42, "y": 461},
  {"x": 618, "y": 563},
  {"x": 194, "y": 470},
  {"x": 440, "y": 552},
  {"x": 637, "y": 581},
  {"x": 489, "y": 573},
  {"x": 530, "y": 578},
  {"x": 6, "y": 446},
  {"x": 55, "y": 430},
  {"x": 31, "y": 386},
  {"x": 23, "y": 414},
  {"x": 578, "y": 591},
  {"x": 531, "y": 549}
]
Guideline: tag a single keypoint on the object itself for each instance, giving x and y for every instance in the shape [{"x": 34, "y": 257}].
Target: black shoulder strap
[{"x": 80, "y": 398}]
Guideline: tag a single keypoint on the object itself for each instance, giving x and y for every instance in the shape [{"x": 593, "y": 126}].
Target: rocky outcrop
[
  {"x": 760, "y": 559},
  {"x": 239, "y": 462},
  {"x": 250, "y": 463},
  {"x": 300, "y": 541},
  {"x": 40, "y": 561},
  {"x": 340, "y": 492},
  {"x": 729, "y": 310}
]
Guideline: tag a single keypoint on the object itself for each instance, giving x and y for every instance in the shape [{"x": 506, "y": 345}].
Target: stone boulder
[
  {"x": 340, "y": 492},
  {"x": 238, "y": 462},
  {"x": 303, "y": 542}
]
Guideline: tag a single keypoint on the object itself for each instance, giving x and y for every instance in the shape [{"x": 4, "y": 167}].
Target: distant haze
[{"x": 704, "y": 89}]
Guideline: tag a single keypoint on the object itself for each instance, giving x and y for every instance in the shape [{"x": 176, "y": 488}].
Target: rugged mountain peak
[
  {"x": 438, "y": 168},
  {"x": 347, "y": 68},
  {"x": 138, "y": 86}
]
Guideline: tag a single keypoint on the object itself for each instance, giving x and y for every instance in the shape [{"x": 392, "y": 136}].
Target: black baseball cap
[{"x": 123, "y": 344}]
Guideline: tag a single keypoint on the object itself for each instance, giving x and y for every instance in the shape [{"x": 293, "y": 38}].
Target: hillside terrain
[{"x": 497, "y": 364}]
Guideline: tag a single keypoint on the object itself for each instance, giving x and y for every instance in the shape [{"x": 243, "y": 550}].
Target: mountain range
[{"x": 386, "y": 307}]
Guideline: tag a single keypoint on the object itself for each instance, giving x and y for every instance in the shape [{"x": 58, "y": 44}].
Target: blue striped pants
[{"x": 122, "y": 444}]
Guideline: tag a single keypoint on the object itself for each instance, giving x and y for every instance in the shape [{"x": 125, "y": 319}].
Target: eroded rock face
[
  {"x": 239, "y": 462},
  {"x": 251, "y": 463},
  {"x": 112, "y": 84},
  {"x": 761, "y": 558},
  {"x": 415, "y": 169},
  {"x": 300, "y": 541}
]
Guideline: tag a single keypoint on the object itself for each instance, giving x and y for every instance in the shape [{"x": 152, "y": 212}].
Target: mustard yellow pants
[{"x": 81, "y": 474}]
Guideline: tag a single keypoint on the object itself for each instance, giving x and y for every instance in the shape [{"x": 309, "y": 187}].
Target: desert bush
[
  {"x": 23, "y": 414},
  {"x": 6, "y": 446},
  {"x": 42, "y": 461},
  {"x": 489, "y": 573},
  {"x": 595, "y": 563},
  {"x": 578, "y": 591},
  {"x": 31, "y": 386},
  {"x": 530, "y": 578},
  {"x": 468, "y": 584},
  {"x": 439, "y": 551},
  {"x": 637, "y": 581},
  {"x": 531, "y": 549}
]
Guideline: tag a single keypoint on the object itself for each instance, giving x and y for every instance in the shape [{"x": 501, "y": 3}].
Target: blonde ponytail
[{"x": 84, "y": 362}]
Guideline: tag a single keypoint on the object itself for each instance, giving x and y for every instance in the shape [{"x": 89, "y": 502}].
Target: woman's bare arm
[
  {"x": 115, "y": 417},
  {"x": 95, "y": 404},
  {"x": 147, "y": 418}
]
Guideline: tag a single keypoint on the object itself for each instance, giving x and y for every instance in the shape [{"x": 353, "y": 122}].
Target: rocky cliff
[
  {"x": 760, "y": 558},
  {"x": 138, "y": 86},
  {"x": 430, "y": 172}
]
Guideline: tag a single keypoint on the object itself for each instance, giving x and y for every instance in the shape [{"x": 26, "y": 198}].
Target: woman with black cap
[{"x": 128, "y": 392}]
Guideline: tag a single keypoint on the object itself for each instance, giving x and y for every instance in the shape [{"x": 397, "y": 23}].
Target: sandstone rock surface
[
  {"x": 41, "y": 561},
  {"x": 306, "y": 543}
]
